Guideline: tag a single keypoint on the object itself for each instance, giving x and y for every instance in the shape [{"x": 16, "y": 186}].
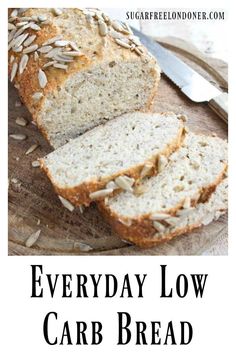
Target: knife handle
[{"x": 219, "y": 105}]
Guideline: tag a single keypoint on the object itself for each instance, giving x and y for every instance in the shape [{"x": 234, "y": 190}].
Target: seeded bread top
[
  {"x": 194, "y": 167},
  {"x": 90, "y": 35}
]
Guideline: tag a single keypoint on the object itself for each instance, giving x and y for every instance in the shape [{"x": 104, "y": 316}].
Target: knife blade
[{"x": 192, "y": 84}]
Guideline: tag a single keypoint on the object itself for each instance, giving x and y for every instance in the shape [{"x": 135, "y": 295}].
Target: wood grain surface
[{"x": 34, "y": 206}]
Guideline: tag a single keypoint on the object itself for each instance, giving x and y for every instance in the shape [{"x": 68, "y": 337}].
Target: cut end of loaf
[{"x": 90, "y": 98}]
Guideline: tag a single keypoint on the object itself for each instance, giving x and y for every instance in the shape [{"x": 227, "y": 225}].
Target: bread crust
[
  {"x": 105, "y": 48},
  {"x": 140, "y": 231},
  {"x": 79, "y": 195}
]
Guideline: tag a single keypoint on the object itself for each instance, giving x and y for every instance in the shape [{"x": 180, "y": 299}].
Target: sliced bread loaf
[
  {"x": 113, "y": 156},
  {"x": 77, "y": 68},
  {"x": 147, "y": 235},
  {"x": 191, "y": 175}
]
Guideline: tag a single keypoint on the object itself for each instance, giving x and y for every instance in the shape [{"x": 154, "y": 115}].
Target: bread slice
[
  {"x": 189, "y": 219},
  {"x": 96, "y": 70},
  {"x": 192, "y": 174},
  {"x": 113, "y": 156}
]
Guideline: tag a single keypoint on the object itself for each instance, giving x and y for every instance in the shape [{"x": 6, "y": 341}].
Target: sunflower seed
[
  {"x": 37, "y": 95},
  {"x": 21, "y": 121},
  {"x": 29, "y": 40},
  {"x": 20, "y": 24},
  {"x": 162, "y": 162},
  {"x": 106, "y": 18},
  {"x": 21, "y": 30},
  {"x": 74, "y": 46},
  {"x": 187, "y": 203},
  {"x": 19, "y": 40},
  {"x": 62, "y": 58},
  {"x": 34, "y": 18},
  {"x": 139, "y": 190},
  {"x": 11, "y": 26},
  {"x": 42, "y": 78},
  {"x": 19, "y": 137},
  {"x": 53, "y": 52},
  {"x": 32, "y": 149},
  {"x": 158, "y": 226},
  {"x": 126, "y": 222},
  {"x": 22, "y": 9},
  {"x": 17, "y": 49},
  {"x": 38, "y": 222},
  {"x": 60, "y": 66},
  {"x": 47, "y": 22},
  {"x": 100, "y": 194},
  {"x": 117, "y": 26},
  {"x": 81, "y": 209},
  {"x": 122, "y": 43},
  {"x": 57, "y": 11},
  {"x": 135, "y": 40},
  {"x": 125, "y": 183},
  {"x": 50, "y": 63},
  {"x": 14, "y": 13},
  {"x": 102, "y": 28},
  {"x": 23, "y": 63},
  {"x": 32, "y": 239},
  {"x": 45, "y": 49},
  {"x": 83, "y": 247},
  {"x": 35, "y": 164},
  {"x": 159, "y": 216},
  {"x": 128, "y": 28},
  {"x": 66, "y": 204},
  {"x": 138, "y": 51},
  {"x": 185, "y": 212},
  {"x": 115, "y": 34},
  {"x": 13, "y": 71},
  {"x": 111, "y": 185},
  {"x": 173, "y": 221},
  {"x": 73, "y": 54},
  {"x": 61, "y": 43},
  {"x": 12, "y": 58},
  {"x": 11, "y": 35},
  {"x": 36, "y": 56},
  {"x": 42, "y": 18},
  {"x": 31, "y": 49},
  {"x": 35, "y": 27},
  {"x": 26, "y": 18},
  {"x": 52, "y": 40},
  {"x": 146, "y": 169}
]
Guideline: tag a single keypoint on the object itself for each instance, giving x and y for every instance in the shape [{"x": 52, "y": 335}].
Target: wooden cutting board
[{"x": 34, "y": 206}]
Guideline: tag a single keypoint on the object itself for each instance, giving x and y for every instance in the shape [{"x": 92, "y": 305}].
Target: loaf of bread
[
  {"x": 76, "y": 69},
  {"x": 113, "y": 156},
  {"x": 191, "y": 175}
]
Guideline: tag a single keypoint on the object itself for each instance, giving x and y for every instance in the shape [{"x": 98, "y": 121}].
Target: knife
[{"x": 193, "y": 85}]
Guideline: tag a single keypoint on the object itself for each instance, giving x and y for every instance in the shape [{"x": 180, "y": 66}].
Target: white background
[{"x": 22, "y": 317}]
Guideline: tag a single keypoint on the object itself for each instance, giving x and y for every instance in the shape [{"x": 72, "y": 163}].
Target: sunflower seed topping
[
  {"x": 74, "y": 46},
  {"x": 11, "y": 26},
  {"x": 50, "y": 63},
  {"x": 35, "y": 27},
  {"x": 23, "y": 63},
  {"x": 14, "y": 13},
  {"x": 52, "y": 40},
  {"x": 35, "y": 164},
  {"x": 111, "y": 185},
  {"x": 125, "y": 183},
  {"x": 31, "y": 149},
  {"x": 20, "y": 24},
  {"x": 29, "y": 40},
  {"x": 36, "y": 56},
  {"x": 60, "y": 66},
  {"x": 61, "y": 43},
  {"x": 102, "y": 28},
  {"x": 66, "y": 203},
  {"x": 42, "y": 18},
  {"x": 45, "y": 49},
  {"x": 32, "y": 239},
  {"x": 13, "y": 71},
  {"x": 57, "y": 11},
  {"x": 158, "y": 226},
  {"x": 21, "y": 121},
  {"x": 31, "y": 49},
  {"x": 122, "y": 43},
  {"x": 159, "y": 216},
  {"x": 12, "y": 58},
  {"x": 100, "y": 194},
  {"x": 146, "y": 169},
  {"x": 42, "y": 78},
  {"x": 187, "y": 203},
  {"x": 162, "y": 162},
  {"x": 73, "y": 54},
  {"x": 19, "y": 137},
  {"x": 17, "y": 49}
]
